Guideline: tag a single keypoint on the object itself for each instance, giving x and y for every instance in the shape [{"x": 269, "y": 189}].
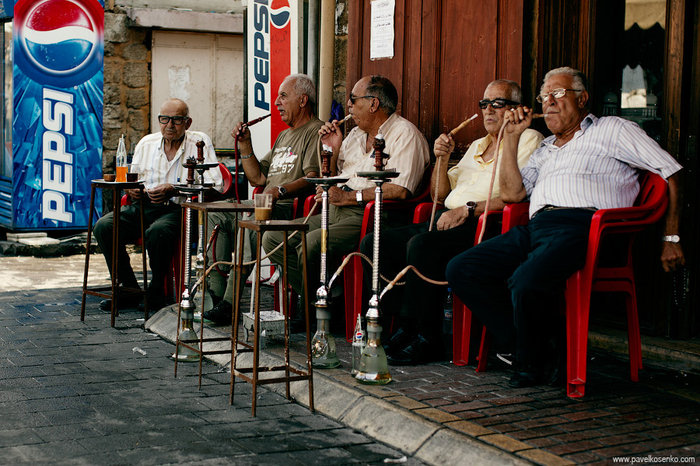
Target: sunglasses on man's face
[
  {"x": 496, "y": 103},
  {"x": 177, "y": 120},
  {"x": 353, "y": 98}
]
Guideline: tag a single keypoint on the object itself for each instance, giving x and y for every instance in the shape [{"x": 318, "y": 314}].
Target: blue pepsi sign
[{"x": 58, "y": 100}]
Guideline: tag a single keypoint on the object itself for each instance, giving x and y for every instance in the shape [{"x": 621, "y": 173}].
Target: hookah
[
  {"x": 323, "y": 344},
  {"x": 373, "y": 367},
  {"x": 186, "y": 333}
]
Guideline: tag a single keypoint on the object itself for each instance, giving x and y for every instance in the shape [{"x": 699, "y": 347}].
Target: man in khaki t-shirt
[{"x": 281, "y": 171}]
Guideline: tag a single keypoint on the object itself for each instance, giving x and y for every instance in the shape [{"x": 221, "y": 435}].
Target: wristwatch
[
  {"x": 672, "y": 239},
  {"x": 282, "y": 192},
  {"x": 471, "y": 209},
  {"x": 358, "y": 198}
]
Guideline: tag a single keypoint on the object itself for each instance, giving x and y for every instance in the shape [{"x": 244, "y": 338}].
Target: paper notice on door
[{"x": 381, "y": 42}]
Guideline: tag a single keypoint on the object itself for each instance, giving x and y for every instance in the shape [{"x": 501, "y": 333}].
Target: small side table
[
  {"x": 204, "y": 208},
  {"x": 111, "y": 292},
  {"x": 260, "y": 227}
]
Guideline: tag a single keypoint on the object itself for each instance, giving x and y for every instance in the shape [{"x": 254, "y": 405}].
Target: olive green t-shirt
[{"x": 293, "y": 155}]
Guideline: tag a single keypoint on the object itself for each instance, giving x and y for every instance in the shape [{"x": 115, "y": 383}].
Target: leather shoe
[
  {"x": 418, "y": 351},
  {"x": 523, "y": 379},
  {"x": 127, "y": 301},
  {"x": 398, "y": 340},
  {"x": 220, "y": 314}
]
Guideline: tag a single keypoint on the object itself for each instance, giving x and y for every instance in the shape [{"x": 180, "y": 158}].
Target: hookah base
[
  {"x": 369, "y": 378},
  {"x": 183, "y": 353},
  {"x": 325, "y": 363}
]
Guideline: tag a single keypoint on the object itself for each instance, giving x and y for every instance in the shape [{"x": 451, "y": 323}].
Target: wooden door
[{"x": 446, "y": 52}]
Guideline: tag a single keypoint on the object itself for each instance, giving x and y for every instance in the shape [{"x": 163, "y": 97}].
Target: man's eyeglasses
[
  {"x": 177, "y": 120},
  {"x": 353, "y": 98},
  {"x": 557, "y": 93},
  {"x": 496, "y": 103}
]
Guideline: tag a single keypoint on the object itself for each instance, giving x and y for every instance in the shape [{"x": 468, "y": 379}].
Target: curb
[{"x": 427, "y": 440}]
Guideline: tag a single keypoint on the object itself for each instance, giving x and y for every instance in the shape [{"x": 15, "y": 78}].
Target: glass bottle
[
  {"x": 358, "y": 344},
  {"x": 121, "y": 161}
]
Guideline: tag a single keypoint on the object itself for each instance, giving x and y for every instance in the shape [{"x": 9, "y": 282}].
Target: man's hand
[
  {"x": 243, "y": 134},
  {"x": 452, "y": 218},
  {"x": 161, "y": 193},
  {"x": 672, "y": 256},
  {"x": 273, "y": 191},
  {"x": 444, "y": 146},
  {"x": 337, "y": 196},
  {"x": 134, "y": 194},
  {"x": 331, "y": 135},
  {"x": 520, "y": 119}
]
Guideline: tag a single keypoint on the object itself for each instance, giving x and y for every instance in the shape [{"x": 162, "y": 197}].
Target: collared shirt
[
  {"x": 404, "y": 143},
  {"x": 471, "y": 177},
  {"x": 155, "y": 169},
  {"x": 599, "y": 167}
]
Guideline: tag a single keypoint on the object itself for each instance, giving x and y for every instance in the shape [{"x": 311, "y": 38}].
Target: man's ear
[
  {"x": 303, "y": 100},
  {"x": 582, "y": 99}
]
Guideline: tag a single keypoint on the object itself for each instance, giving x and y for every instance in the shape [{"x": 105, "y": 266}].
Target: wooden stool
[
  {"x": 204, "y": 208},
  {"x": 261, "y": 227},
  {"x": 113, "y": 293}
]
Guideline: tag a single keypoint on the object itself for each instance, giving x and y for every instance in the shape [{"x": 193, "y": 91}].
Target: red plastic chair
[
  {"x": 649, "y": 208},
  {"x": 227, "y": 178}
]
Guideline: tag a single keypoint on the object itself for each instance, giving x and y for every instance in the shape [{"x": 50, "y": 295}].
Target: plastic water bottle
[
  {"x": 121, "y": 161},
  {"x": 447, "y": 322},
  {"x": 358, "y": 344}
]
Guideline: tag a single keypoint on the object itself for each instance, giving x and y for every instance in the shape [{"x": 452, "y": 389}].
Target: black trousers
[
  {"x": 417, "y": 304},
  {"x": 513, "y": 282},
  {"x": 161, "y": 230}
]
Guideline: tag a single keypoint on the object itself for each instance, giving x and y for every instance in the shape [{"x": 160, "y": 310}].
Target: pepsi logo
[
  {"x": 59, "y": 42},
  {"x": 280, "y": 13}
]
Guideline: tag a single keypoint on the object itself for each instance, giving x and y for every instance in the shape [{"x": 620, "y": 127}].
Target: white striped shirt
[
  {"x": 155, "y": 169},
  {"x": 599, "y": 167}
]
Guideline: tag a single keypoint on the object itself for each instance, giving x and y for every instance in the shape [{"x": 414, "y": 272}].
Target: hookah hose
[
  {"x": 216, "y": 263},
  {"x": 236, "y": 155},
  {"x": 437, "y": 169}
]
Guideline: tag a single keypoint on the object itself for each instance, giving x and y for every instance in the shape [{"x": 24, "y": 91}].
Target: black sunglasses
[
  {"x": 353, "y": 98},
  {"x": 496, "y": 103},
  {"x": 177, "y": 120}
]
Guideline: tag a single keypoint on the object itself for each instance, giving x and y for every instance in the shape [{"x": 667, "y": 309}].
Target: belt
[{"x": 549, "y": 207}]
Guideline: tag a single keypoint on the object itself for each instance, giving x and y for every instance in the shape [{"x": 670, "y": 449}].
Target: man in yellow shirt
[{"x": 463, "y": 191}]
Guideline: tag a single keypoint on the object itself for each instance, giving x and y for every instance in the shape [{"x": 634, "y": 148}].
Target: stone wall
[{"x": 127, "y": 79}]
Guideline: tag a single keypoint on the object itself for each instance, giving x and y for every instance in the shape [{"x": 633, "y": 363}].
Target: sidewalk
[
  {"x": 444, "y": 414},
  {"x": 658, "y": 416}
]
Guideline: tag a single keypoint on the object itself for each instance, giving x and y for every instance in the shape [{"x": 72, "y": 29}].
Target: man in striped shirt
[{"x": 512, "y": 282}]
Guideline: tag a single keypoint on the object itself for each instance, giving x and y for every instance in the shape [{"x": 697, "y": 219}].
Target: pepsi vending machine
[{"x": 58, "y": 55}]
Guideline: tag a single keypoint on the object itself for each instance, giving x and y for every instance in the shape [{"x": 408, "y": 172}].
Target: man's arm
[
  {"x": 510, "y": 179},
  {"x": 672, "y": 253},
  {"x": 250, "y": 163},
  {"x": 339, "y": 197},
  {"x": 443, "y": 147}
]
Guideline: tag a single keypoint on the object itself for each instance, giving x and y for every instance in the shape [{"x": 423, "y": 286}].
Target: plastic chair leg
[
  {"x": 578, "y": 298},
  {"x": 461, "y": 332},
  {"x": 483, "y": 350}
]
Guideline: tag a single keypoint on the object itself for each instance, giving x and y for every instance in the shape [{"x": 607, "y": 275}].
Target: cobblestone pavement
[{"x": 76, "y": 392}]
